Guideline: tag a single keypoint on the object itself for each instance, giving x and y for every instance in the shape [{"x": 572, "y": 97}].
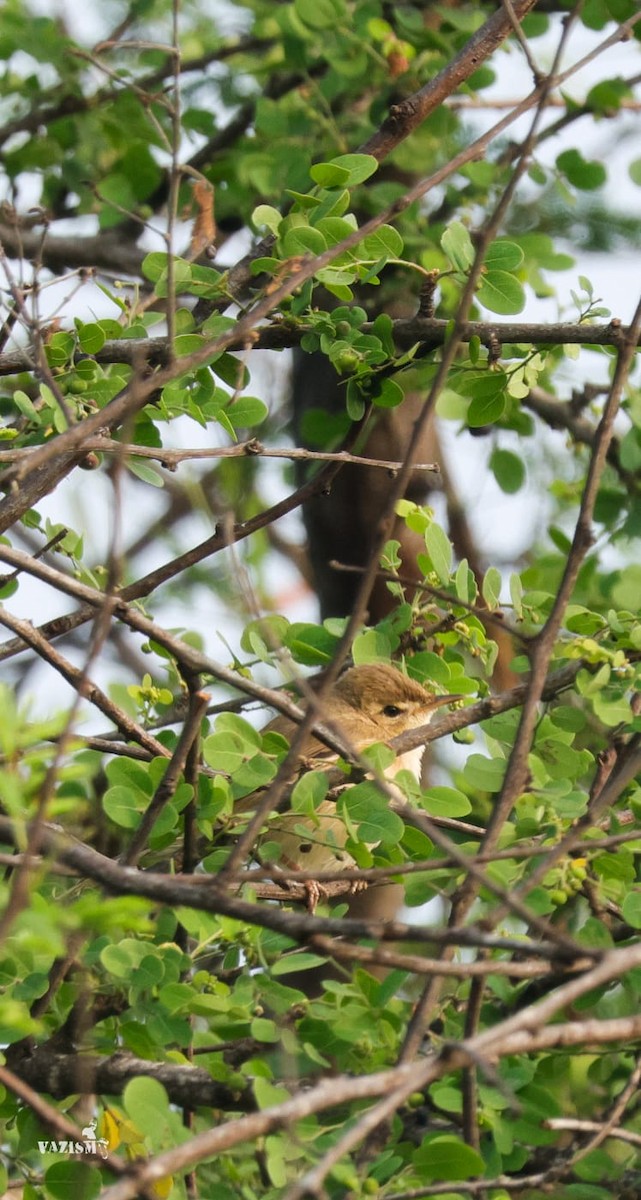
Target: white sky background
[{"x": 505, "y": 523}]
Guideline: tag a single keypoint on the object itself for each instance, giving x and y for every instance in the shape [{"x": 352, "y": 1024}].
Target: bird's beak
[{"x": 438, "y": 701}]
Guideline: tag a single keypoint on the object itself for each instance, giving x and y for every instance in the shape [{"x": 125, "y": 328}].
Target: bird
[{"x": 372, "y": 702}]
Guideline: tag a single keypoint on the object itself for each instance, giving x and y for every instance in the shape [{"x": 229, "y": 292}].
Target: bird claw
[{"x": 314, "y": 892}]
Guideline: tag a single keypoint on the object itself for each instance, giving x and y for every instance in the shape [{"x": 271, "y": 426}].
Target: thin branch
[
  {"x": 469, "y": 889},
  {"x": 166, "y": 789},
  {"x": 543, "y": 644},
  {"x": 335, "y": 948},
  {"x": 84, "y": 686},
  {"x": 219, "y": 541},
  {"x": 252, "y": 448},
  {"x": 580, "y": 1126},
  {"x": 78, "y": 102},
  {"x": 609, "y": 1126}
]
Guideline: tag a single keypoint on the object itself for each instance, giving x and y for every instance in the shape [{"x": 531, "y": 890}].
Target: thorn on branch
[
  {"x": 426, "y": 295},
  {"x": 494, "y": 347}
]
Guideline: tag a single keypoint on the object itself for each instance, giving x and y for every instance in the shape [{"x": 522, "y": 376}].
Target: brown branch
[
  {"x": 405, "y": 117},
  {"x": 463, "y": 899},
  {"x": 219, "y": 541},
  {"x": 107, "y": 251},
  {"x": 543, "y": 644},
  {"x": 335, "y": 948},
  {"x": 581, "y": 1126},
  {"x": 563, "y": 415},
  {"x": 167, "y": 787},
  {"x": 429, "y": 332},
  {"x": 252, "y": 448},
  {"x": 78, "y": 680},
  {"x": 51, "y": 1117},
  {"x": 397, "y": 1083},
  {"x": 200, "y": 892},
  {"x": 63, "y": 1074},
  {"x": 72, "y": 103}
]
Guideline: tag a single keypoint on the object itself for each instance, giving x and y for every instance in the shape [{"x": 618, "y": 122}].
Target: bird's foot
[{"x": 315, "y": 892}]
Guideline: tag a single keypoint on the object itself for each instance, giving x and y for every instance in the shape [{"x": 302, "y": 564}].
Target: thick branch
[
  {"x": 430, "y": 332},
  {"x": 61, "y": 1075},
  {"x": 106, "y": 251},
  {"x": 405, "y": 117}
]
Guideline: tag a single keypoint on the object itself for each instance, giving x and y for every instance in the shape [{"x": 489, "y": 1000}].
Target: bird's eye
[{"x": 391, "y": 710}]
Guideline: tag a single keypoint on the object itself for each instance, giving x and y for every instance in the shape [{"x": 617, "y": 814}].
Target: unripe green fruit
[{"x": 346, "y": 360}]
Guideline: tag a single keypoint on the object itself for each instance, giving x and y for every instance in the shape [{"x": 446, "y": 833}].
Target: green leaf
[
  {"x": 372, "y": 646},
  {"x": 25, "y": 406},
  {"x": 145, "y": 471},
  {"x": 485, "y": 410},
  {"x": 445, "y": 802},
  {"x": 310, "y": 644},
  {"x": 354, "y": 401},
  {"x": 516, "y": 595},
  {"x": 303, "y": 239},
  {"x": 358, "y": 166},
  {"x": 504, "y": 255},
  {"x": 465, "y": 583},
  {"x": 457, "y": 245},
  {"x": 59, "y": 349},
  {"x": 320, "y": 14},
  {"x": 366, "y": 807},
  {"x": 385, "y": 243},
  {"x": 491, "y": 587},
  {"x": 329, "y": 175},
  {"x": 264, "y": 1030},
  {"x": 73, "y": 1178},
  {"x": 246, "y": 412},
  {"x": 484, "y": 773},
  {"x": 267, "y": 1094},
  {"x": 270, "y": 630},
  {"x": 266, "y": 215},
  {"x": 154, "y": 265},
  {"x": 124, "y": 806},
  {"x": 439, "y": 549},
  {"x": 583, "y": 174},
  {"x": 121, "y": 959},
  {"x": 501, "y": 293},
  {"x": 509, "y": 470},
  {"x": 631, "y": 908},
  {"x": 390, "y": 395},
  {"x": 444, "y": 1157},
  {"x": 225, "y": 752},
  {"x": 240, "y": 728},
  {"x": 309, "y": 791},
  {"x": 297, "y": 962},
  {"x": 91, "y": 337},
  {"x": 146, "y": 1103}
]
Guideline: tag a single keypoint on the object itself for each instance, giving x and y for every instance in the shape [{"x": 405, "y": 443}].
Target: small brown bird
[{"x": 369, "y": 703}]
